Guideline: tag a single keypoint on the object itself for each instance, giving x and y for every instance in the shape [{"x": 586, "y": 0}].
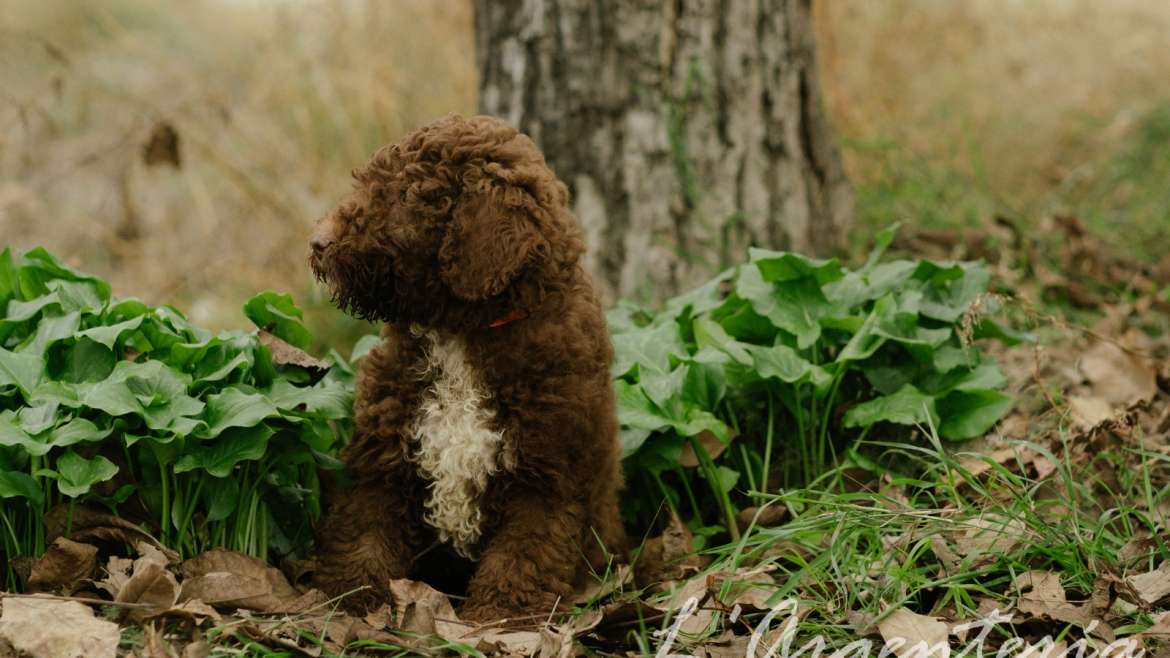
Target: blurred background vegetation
[{"x": 183, "y": 150}]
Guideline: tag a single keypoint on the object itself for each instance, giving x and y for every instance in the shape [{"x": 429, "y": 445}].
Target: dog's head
[{"x": 459, "y": 220}]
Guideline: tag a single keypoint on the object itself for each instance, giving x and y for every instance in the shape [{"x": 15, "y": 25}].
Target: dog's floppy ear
[{"x": 486, "y": 245}]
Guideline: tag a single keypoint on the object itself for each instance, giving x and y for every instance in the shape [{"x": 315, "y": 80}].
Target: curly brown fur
[{"x": 485, "y": 418}]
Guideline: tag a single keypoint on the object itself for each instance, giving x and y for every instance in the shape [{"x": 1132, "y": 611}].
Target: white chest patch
[{"x": 455, "y": 445}]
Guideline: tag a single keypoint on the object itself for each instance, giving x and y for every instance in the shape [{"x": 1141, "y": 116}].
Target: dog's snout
[
  {"x": 324, "y": 235},
  {"x": 320, "y": 242}
]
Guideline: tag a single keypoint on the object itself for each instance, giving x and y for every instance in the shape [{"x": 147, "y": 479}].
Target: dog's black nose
[
  {"x": 324, "y": 234},
  {"x": 319, "y": 242}
]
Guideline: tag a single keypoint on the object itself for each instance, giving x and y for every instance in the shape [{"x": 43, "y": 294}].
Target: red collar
[{"x": 513, "y": 316}]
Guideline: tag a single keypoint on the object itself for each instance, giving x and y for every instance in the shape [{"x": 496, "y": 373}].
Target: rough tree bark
[{"x": 686, "y": 130}]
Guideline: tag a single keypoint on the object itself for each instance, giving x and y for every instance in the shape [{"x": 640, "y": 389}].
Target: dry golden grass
[
  {"x": 1017, "y": 94},
  {"x": 274, "y": 102}
]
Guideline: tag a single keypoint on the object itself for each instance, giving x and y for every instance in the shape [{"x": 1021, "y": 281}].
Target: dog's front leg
[
  {"x": 369, "y": 538},
  {"x": 529, "y": 563}
]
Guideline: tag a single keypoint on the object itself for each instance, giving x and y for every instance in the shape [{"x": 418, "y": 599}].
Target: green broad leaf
[
  {"x": 867, "y": 341},
  {"x": 709, "y": 333},
  {"x": 948, "y": 357},
  {"x": 630, "y": 439},
  {"x": 38, "y": 267},
  {"x": 87, "y": 361},
  {"x": 881, "y": 243},
  {"x": 124, "y": 309},
  {"x": 663, "y": 387},
  {"x": 659, "y": 453},
  {"x": 156, "y": 333},
  {"x": 38, "y": 418},
  {"x": 22, "y": 311},
  {"x": 152, "y": 382},
  {"x": 234, "y": 407},
  {"x": 781, "y": 266},
  {"x": 9, "y": 279},
  {"x": 784, "y": 363},
  {"x": 849, "y": 324},
  {"x": 952, "y": 289},
  {"x": 219, "y": 457},
  {"x": 20, "y": 370},
  {"x": 14, "y": 484},
  {"x": 904, "y": 328},
  {"x": 76, "y": 475},
  {"x": 989, "y": 328},
  {"x": 12, "y": 436},
  {"x": 221, "y": 496},
  {"x": 363, "y": 346},
  {"x": 50, "y": 330},
  {"x": 985, "y": 375},
  {"x": 690, "y": 420},
  {"x": 635, "y": 409},
  {"x": 277, "y": 314},
  {"x": 78, "y": 296},
  {"x": 319, "y": 435},
  {"x": 908, "y": 406},
  {"x": 740, "y": 321},
  {"x": 109, "y": 335},
  {"x": 216, "y": 358},
  {"x": 794, "y": 305},
  {"x": 967, "y": 414},
  {"x": 704, "y": 384},
  {"x": 649, "y": 348},
  {"x": 726, "y": 478},
  {"x": 625, "y": 316},
  {"x": 702, "y": 299},
  {"x": 111, "y": 395},
  {"x": 327, "y": 398},
  {"x": 77, "y": 430}
]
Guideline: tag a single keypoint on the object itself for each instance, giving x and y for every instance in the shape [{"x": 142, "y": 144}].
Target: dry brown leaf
[
  {"x": 92, "y": 526},
  {"x": 48, "y": 628},
  {"x": 735, "y": 646},
  {"x": 150, "y": 583},
  {"x": 914, "y": 629},
  {"x": 949, "y": 559},
  {"x": 712, "y": 445},
  {"x": 747, "y": 588},
  {"x": 977, "y": 465},
  {"x": 195, "y": 612},
  {"x": 228, "y": 579},
  {"x": 768, "y": 516},
  {"x": 1151, "y": 586},
  {"x": 990, "y": 535},
  {"x": 599, "y": 589},
  {"x": 63, "y": 567},
  {"x": 670, "y": 556},
  {"x": 1089, "y": 412},
  {"x": 424, "y": 610},
  {"x": 286, "y": 354},
  {"x": 1043, "y": 596},
  {"x": 1116, "y": 376},
  {"x": 696, "y": 589},
  {"x": 197, "y": 649},
  {"x": 117, "y": 573}
]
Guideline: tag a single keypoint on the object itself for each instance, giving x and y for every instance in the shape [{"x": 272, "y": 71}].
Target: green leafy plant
[
  {"x": 207, "y": 440},
  {"x": 771, "y": 374}
]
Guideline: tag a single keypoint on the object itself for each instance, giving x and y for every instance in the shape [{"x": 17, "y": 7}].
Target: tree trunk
[{"x": 686, "y": 130}]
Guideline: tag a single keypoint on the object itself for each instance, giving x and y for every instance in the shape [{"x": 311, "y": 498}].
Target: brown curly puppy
[{"x": 484, "y": 424}]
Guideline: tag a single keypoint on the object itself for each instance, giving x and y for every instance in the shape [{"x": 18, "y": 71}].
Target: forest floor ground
[{"x": 1044, "y": 156}]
